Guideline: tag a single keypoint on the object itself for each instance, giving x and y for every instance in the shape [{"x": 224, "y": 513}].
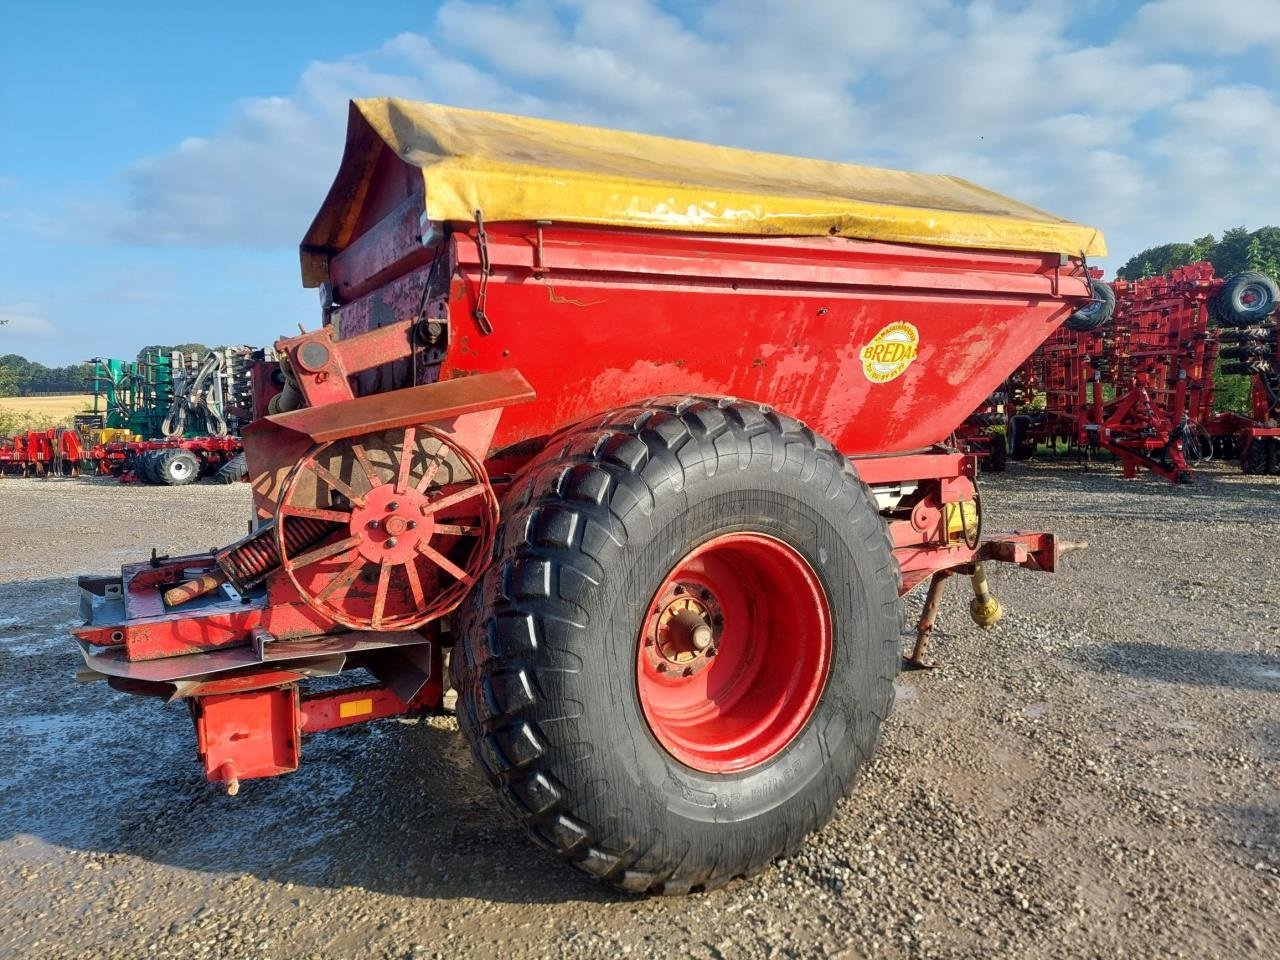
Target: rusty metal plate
[{"x": 413, "y": 405}]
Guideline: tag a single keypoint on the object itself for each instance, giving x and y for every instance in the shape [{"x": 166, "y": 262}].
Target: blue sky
[{"x": 160, "y": 161}]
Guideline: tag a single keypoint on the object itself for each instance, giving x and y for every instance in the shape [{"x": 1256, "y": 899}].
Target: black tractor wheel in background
[
  {"x": 684, "y": 650},
  {"x": 233, "y": 471},
  {"x": 998, "y": 458},
  {"x": 1097, "y": 312},
  {"x": 154, "y": 460},
  {"x": 1021, "y": 446},
  {"x": 1246, "y": 298},
  {"x": 144, "y": 466},
  {"x": 177, "y": 468},
  {"x": 1254, "y": 458}
]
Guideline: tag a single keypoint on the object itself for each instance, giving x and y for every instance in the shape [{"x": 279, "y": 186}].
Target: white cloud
[
  {"x": 24, "y": 320},
  {"x": 257, "y": 181},
  {"x": 1147, "y": 145},
  {"x": 1230, "y": 27}
]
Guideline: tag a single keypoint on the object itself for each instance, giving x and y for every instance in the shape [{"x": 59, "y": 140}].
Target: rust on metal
[
  {"x": 928, "y": 616},
  {"x": 401, "y": 408}
]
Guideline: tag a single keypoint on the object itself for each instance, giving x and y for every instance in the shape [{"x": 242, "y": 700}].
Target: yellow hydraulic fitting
[
  {"x": 983, "y": 608},
  {"x": 962, "y": 520}
]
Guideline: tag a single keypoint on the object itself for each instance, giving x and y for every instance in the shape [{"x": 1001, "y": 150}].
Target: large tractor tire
[
  {"x": 1245, "y": 299},
  {"x": 144, "y": 466},
  {"x": 233, "y": 471},
  {"x": 1254, "y": 458},
  {"x": 685, "y": 647},
  {"x": 177, "y": 468}
]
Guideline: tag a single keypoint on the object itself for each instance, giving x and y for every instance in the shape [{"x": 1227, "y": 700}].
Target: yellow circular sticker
[{"x": 890, "y": 352}]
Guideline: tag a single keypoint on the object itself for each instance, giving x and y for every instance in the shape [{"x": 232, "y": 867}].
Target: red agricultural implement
[
  {"x": 984, "y": 433},
  {"x": 57, "y": 451},
  {"x": 1142, "y": 386},
  {"x": 645, "y": 434},
  {"x": 62, "y": 451},
  {"x": 173, "y": 462},
  {"x": 1248, "y": 340}
]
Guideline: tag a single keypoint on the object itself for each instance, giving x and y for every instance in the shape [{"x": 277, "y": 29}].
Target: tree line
[
  {"x": 20, "y": 377},
  {"x": 1237, "y": 251}
]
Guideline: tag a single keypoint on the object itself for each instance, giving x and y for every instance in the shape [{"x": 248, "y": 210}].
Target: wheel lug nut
[
  {"x": 413, "y": 524},
  {"x": 393, "y": 505},
  {"x": 373, "y": 524},
  {"x": 391, "y": 541}
]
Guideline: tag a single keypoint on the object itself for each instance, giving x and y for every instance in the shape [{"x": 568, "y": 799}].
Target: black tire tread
[
  {"x": 233, "y": 471},
  {"x": 1230, "y": 312},
  {"x": 576, "y": 492},
  {"x": 147, "y": 462}
]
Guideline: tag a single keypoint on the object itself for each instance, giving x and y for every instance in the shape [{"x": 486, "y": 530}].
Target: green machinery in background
[
  {"x": 176, "y": 394},
  {"x": 132, "y": 395}
]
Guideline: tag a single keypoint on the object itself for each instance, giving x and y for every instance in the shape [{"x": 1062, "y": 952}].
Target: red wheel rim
[{"x": 734, "y": 652}]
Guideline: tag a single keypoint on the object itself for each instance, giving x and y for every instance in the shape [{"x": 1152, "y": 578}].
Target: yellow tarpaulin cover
[{"x": 518, "y": 168}]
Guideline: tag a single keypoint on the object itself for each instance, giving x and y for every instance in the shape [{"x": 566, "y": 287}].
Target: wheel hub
[
  {"x": 391, "y": 524},
  {"x": 683, "y": 632}
]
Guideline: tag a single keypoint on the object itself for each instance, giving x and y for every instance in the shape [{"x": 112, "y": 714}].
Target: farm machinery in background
[
  {"x": 1142, "y": 384},
  {"x": 58, "y": 451},
  {"x": 1249, "y": 347},
  {"x": 169, "y": 419}
]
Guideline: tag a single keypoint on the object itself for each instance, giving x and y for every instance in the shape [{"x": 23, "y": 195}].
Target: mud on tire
[{"x": 546, "y": 660}]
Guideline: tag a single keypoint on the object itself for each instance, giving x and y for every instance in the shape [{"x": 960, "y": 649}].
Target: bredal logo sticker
[{"x": 890, "y": 352}]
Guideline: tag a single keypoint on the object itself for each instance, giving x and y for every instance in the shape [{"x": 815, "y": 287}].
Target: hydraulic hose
[{"x": 191, "y": 400}]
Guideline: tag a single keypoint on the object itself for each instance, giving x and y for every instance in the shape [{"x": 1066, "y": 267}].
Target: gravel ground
[{"x": 1095, "y": 777}]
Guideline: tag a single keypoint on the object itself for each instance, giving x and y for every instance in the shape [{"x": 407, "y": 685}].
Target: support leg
[{"x": 928, "y": 615}]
